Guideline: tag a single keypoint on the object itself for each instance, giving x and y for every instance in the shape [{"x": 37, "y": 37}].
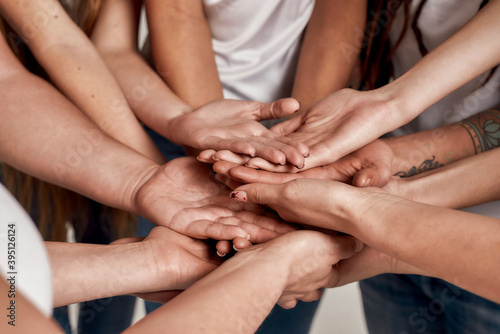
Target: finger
[
  {"x": 287, "y": 302},
  {"x": 236, "y": 145},
  {"x": 278, "y": 109},
  {"x": 257, "y": 233},
  {"x": 226, "y": 155},
  {"x": 207, "y": 229},
  {"x": 257, "y": 193},
  {"x": 265, "y": 222},
  {"x": 206, "y": 156},
  {"x": 287, "y": 127},
  {"x": 250, "y": 175},
  {"x": 223, "y": 248},
  {"x": 372, "y": 177},
  {"x": 312, "y": 296},
  {"x": 228, "y": 182},
  {"x": 240, "y": 244},
  {"x": 268, "y": 148},
  {"x": 224, "y": 168},
  {"x": 259, "y": 163},
  {"x": 298, "y": 145},
  {"x": 343, "y": 247}
]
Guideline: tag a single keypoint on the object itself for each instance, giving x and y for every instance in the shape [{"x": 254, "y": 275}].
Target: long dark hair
[{"x": 376, "y": 56}]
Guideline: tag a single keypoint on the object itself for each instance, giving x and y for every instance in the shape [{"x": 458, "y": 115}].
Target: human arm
[
  {"x": 46, "y": 136},
  {"x": 461, "y": 249},
  {"x": 174, "y": 263},
  {"x": 220, "y": 124},
  {"x": 244, "y": 289},
  {"x": 75, "y": 67},
  {"x": 329, "y": 49},
  {"x": 347, "y": 120},
  {"x": 373, "y": 164},
  {"x": 182, "y": 49}
]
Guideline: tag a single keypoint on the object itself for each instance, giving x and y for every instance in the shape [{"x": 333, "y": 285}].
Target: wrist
[
  {"x": 176, "y": 127},
  {"x": 138, "y": 180},
  {"x": 400, "y": 108}
]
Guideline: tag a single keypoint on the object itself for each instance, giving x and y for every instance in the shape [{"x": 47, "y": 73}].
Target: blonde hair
[{"x": 51, "y": 205}]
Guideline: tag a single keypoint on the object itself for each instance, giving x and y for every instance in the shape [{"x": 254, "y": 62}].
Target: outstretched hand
[
  {"x": 234, "y": 125},
  {"x": 369, "y": 166},
  {"x": 181, "y": 195},
  {"x": 334, "y": 127},
  {"x": 325, "y": 204}
]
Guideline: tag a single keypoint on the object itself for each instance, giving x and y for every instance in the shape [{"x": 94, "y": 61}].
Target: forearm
[
  {"x": 182, "y": 49},
  {"x": 242, "y": 291},
  {"x": 75, "y": 67},
  {"x": 82, "y": 272},
  {"x": 456, "y": 246},
  {"x": 425, "y": 150},
  {"x": 449, "y": 66},
  {"x": 465, "y": 183},
  {"x": 329, "y": 50},
  {"x": 44, "y": 135},
  {"x": 150, "y": 98}
]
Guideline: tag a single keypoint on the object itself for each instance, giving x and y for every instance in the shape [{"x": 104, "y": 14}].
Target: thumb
[
  {"x": 256, "y": 193},
  {"x": 287, "y": 127},
  {"x": 278, "y": 109},
  {"x": 372, "y": 177}
]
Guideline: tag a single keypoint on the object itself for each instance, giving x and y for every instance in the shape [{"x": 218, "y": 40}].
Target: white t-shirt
[
  {"x": 439, "y": 20},
  {"x": 256, "y": 45},
  {"x": 30, "y": 268}
]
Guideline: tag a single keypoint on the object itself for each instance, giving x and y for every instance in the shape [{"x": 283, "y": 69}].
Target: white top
[
  {"x": 31, "y": 264},
  {"x": 256, "y": 45},
  {"x": 439, "y": 20}
]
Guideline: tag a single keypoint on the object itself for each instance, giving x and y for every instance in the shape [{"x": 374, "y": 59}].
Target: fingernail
[
  {"x": 251, "y": 166},
  {"x": 239, "y": 196},
  {"x": 307, "y": 155},
  {"x": 299, "y": 167},
  {"x": 236, "y": 249},
  {"x": 215, "y": 159},
  {"x": 367, "y": 182},
  {"x": 220, "y": 255},
  {"x": 359, "y": 246}
]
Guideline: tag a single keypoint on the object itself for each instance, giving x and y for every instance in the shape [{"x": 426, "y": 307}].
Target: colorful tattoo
[{"x": 484, "y": 130}]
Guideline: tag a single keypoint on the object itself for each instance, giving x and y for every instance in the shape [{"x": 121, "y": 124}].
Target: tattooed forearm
[
  {"x": 484, "y": 130},
  {"x": 426, "y": 165}
]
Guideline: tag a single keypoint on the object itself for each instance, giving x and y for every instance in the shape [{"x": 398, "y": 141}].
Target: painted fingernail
[
  {"x": 368, "y": 181},
  {"x": 220, "y": 255},
  {"x": 239, "y": 196}
]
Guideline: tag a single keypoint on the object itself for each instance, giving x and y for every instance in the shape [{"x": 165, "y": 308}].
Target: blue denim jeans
[
  {"x": 403, "y": 304},
  {"x": 295, "y": 321}
]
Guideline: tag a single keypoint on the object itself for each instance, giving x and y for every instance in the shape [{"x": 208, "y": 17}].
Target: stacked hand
[
  {"x": 233, "y": 125},
  {"x": 309, "y": 260},
  {"x": 337, "y": 125},
  {"x": 181, "y": 195},
  {"x": 368, "y": 166}
]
